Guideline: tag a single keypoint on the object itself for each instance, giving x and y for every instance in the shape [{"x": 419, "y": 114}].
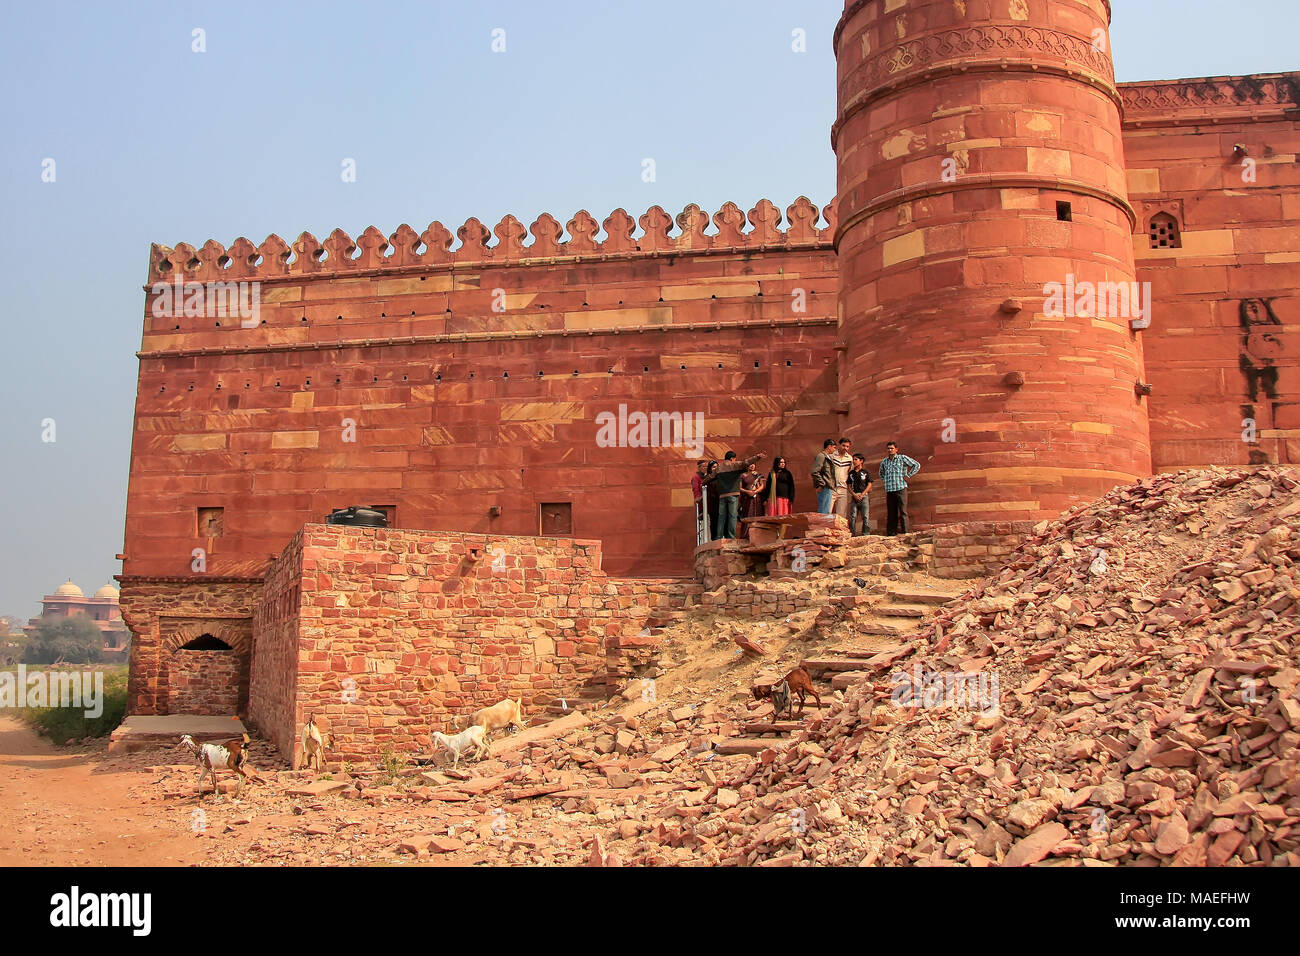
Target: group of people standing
[{"x": 737, "y": 489}]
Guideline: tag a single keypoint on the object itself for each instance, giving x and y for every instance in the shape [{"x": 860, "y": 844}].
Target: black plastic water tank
[{"x": 358, "y": 517}]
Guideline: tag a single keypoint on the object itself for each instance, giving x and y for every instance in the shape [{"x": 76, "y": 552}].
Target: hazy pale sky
[{"x": 155, "y": 142}]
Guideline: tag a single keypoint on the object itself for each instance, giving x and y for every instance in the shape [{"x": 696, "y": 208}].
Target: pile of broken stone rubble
[{"x": 1147, "y": 658}]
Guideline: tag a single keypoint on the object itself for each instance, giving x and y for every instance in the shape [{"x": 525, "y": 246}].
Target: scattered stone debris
[
  {"x": 1144, "y": 667},
  {"x": 1148, "y": 663}
]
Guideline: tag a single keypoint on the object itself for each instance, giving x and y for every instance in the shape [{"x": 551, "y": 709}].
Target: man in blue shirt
[{"x": 895, "y": 469}]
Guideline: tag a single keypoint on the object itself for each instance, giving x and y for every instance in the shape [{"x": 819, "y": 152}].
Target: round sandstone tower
[{"x": 980, "y": 159}]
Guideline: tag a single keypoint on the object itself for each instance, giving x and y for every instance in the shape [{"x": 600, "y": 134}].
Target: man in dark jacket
[
  {"x": 823, "y": 477},
  {"x": 859, "y": 485},
  {"x": 725, "y": 484}
]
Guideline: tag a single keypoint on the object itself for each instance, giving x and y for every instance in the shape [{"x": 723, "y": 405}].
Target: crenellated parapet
[{"x": 763, "y": 227}]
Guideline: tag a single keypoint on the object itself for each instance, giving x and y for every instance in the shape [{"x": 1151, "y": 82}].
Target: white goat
[
  {"x": 314, "y": 743},
  {"x": 474, "y": 738}
]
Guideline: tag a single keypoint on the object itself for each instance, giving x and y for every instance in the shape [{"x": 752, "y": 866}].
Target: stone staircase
[
  {"x": 884, "y": 621},
  {"x": 892, "y": 602}
]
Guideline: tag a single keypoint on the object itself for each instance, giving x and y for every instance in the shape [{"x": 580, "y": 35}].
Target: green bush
[{"x": 68, "y": 724}]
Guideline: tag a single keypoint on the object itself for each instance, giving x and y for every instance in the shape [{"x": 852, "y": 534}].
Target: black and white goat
[{"x": 231, "y": 755}]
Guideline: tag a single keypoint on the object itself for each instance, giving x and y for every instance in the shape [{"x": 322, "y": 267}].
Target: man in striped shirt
[{"x": 895, "y": 469}]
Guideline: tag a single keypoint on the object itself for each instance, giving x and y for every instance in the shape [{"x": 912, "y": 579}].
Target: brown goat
[{"x": 800, "y": 682}]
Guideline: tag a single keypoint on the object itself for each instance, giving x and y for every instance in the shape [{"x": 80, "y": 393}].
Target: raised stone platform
[
  {"x": 140, "y": 732},
  {"x": 790, "y": 545}
]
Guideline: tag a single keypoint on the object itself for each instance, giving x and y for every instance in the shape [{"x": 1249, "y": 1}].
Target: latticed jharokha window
[{"x": 1164, "y": 232}]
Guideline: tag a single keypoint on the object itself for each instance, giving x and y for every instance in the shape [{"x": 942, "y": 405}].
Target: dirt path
[{"x": 65, "y": 807}]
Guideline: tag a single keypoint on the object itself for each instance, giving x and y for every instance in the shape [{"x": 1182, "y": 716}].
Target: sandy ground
[{"x": 64, "y": 807}]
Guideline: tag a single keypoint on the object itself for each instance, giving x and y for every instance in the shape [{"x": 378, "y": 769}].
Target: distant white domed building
[{"x": 101, "y": 609}]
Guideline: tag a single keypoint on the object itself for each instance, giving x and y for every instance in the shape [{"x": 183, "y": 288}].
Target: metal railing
[{"x": 703, "y": 533}]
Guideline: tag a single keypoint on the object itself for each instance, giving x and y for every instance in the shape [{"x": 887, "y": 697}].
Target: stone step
[
  {"x": 884, "y": 629},
  {"x": 920, "y": 596},
  {"x": 772, "y": 727},
  {"x": 575, "y": 704},
  {"x": 845, "y": 679},
  {"x": 886, "y": 568},
  {"x": 861, "y": 653},
  {"x": 902, "y": 610},
  {"x": 820, "y": 665}
]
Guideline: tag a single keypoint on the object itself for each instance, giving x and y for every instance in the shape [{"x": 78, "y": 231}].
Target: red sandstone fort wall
[
  {"x": 1221, "y": 346},
  {"x": 456, "y": 408}
]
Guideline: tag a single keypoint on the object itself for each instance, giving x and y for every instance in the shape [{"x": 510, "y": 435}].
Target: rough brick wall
[
  {"x": 164, "y": 613},
  {"x": 203, "y": 682},
  {"x": 451, "y": 415},
  {"x": 274, "y": 679},
  {"x": 961, "y": 127},
  {"x": 427, "y": 630},
  {"x": 1221, "y": 347},
  {"x": 973, "y": 549}
]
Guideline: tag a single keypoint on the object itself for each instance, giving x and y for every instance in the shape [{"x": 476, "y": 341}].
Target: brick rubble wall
[
  {"x": 273, "y": 685},
  {"x": 970, "y": 549},
  {"x": 166, "y": 612},
  {"x": 428, "y": 630},
  {"x": 973, "y": 549},
  {"x": 203, "y": 682}
]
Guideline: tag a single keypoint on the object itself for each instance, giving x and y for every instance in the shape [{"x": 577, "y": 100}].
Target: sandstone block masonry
[
  {"x": 969, "y": 549},
  {"x": 385, "y": 635}
]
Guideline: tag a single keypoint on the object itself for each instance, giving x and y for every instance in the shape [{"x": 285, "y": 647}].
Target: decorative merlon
[{"x": 372, "y": 251}]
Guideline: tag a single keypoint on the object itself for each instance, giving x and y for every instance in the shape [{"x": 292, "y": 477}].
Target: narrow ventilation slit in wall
[{"x": 1064, "y": 212}]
